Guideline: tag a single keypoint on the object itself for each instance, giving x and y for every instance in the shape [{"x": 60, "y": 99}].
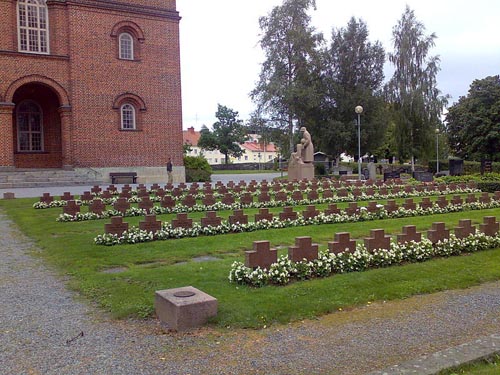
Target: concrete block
[{"x": 184, "y": 308}]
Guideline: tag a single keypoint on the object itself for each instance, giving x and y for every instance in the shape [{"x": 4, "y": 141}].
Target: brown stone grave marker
[
  {"x": 263, "y": 214},
  {"x": 97, "y": 206},
  {"x": 327, "y": 194},
  {"x": 391, "y": 206},
  {"x": 465, "y": 228},
  {"x": 176, "y": 192},
  {"x": 356, "y": 192},
  {"x": 438, "y": 232},
  {"x": 160, "y": 192},
  {"x": 297, "y": 195},
  {"x": 261, "y": 256},
  {"x": 471, "y": 198},
  {"x": 211, "y": 219},
  {"x": 146, "y": 204},
  {"x": 95, "y": 189},
  {"x": 313, "y": 195},
  {"x": 125, "y": 194},
  {"x": 310, "y": 212},
  {"x": 342, "y": 192},
  {"x": 71, "y": 208},
  {"x": 377, "y": 240},
  {"x": 238, "y": 217},
  {"x": 67, "y": 196},
  {"x": 246, "y": 198},
  {"x": 485, "y": 197},
  {"x": 496, "y": 196},
  {"x": 408, "y": 189},
  {"x": 396, "y": 190},
  {"x": 86, "y": 196},
  {"x": 332, "y": 209},
  {"x": 264, "y": 197},
  {"x": 155, "y": 186},
  {"x": 370, "y": 192},
  {"x": 456, "y": 200},
  {"x": 288, "y": 214},
  {"x": 490, "y": 226},
  {"x": 409, "y": 204},
  {"x": 409, "y": 234},
  {"x": 167, "y": 202},
  {"x": 303, "y": 249},
  {"x": 441, "y": 201},
  {"x": 141, "y": 193},
  {"x": 112, "y": 188},
  {"x": 352, "y": 209},
  {"x": 372, "y": 207},
  {"x": 121, "y": 205},
  {"x": 150, "y": 224},
  {"x": 46, "y": 198},
  {"x": 281, "y": 196},
  {"x": 228, "y": 199},
  {"x": 189, "y": 200},
  {"x": 117, "y": 226},
  {"x": 342, "y": 243},
  {"x": 426, "y": 203},
  {"x": 383, "y": 191},
  {"x": 9, "y": 195},
  {"x": 208, "y": 200},
  {"x": 182, "y": 221},
  {"x": 106, "y": 194}
]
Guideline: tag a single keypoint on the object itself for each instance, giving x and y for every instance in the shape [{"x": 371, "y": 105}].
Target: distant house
[{"x": 254, "y": 151}]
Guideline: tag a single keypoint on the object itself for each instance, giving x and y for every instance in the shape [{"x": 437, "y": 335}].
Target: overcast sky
[{"x": 221, "y": 57}]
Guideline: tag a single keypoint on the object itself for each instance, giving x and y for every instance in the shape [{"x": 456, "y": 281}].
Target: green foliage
[
  {"x": 197, "y": 169},
  {"x": 489, "y": 182},
  {"x": 228, "y": 133},
  {"x": 473, "y": 123},
  {"x": 412, "y": 90},
  {"x": 353, "y": 75}
]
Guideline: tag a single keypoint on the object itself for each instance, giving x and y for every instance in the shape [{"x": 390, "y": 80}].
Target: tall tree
[
  {"x": 228, "y": 133},
  {"x": 353, "y": 75},
  {"x": 413, "y": 88},
  {"x": 285, "y": 90},
  {"x": 473, "y": 124}
]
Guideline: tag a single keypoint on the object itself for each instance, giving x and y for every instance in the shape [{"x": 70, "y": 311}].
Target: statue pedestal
[{"x": 301, "y": 171}]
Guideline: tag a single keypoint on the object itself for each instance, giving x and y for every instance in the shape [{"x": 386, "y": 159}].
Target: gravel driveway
[{"x": 45, "y": 329}]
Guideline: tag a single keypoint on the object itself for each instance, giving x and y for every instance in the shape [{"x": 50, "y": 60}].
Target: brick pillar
[
  {"x": 7, "y": 136},
  {"x": 66, "y": 136}
]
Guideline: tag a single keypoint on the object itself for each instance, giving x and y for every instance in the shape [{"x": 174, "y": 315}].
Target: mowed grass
[
  {"x": 489, "y": 366},
  {"x": 122, "y": 279}
]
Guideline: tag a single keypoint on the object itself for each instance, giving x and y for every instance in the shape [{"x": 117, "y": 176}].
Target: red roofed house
[{"x": 92, "y": 86}]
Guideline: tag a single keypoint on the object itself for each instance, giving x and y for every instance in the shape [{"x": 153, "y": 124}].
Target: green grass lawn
[
  {"x": 490, "y": 366},
  {"x": 122, "y": 279},
  {"x": 246, "y": 171}
]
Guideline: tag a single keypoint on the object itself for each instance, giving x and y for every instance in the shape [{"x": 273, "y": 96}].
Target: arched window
[
  {"x": 126, "y": 46},
  {"x": 29, "y": 127},
  {"x": 127, "y": 111},
  {"x": 33, "y": 26}
]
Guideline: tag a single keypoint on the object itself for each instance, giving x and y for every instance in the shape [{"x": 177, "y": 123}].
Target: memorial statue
[
  {"x": 300, "y": 165},
  {"x": 307, "y": 146}
]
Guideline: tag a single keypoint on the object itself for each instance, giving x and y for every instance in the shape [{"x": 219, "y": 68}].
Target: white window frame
[
  {"x": 124, "y": 121},
  {"x": 126, "y": 54},
  {"x": 40, "y": 32},
  {"x": 30, "y": 132}
]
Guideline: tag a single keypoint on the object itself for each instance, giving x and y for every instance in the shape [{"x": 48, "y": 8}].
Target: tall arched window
[
  {"x": 29, "y": 127},
  {"x": 33, "y": 26},
  {"x": 126, "y": 46},
  {"x": 128, "y": 116}
]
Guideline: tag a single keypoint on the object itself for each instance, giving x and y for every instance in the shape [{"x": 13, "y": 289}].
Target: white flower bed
[
  {"x": 135, "y": 235},
  {"x": 284, "y": 271}
]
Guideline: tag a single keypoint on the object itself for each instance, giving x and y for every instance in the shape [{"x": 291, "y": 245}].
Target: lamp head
[{"x": 358, "y": 109}]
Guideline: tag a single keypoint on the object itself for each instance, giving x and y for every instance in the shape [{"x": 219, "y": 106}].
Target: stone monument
[{"x": 300, "y": 165}]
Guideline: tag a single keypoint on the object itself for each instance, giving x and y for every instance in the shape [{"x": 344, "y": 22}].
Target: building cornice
[
  {"x": 31, "y": 55},
  {"x": 121, "y": 7}
]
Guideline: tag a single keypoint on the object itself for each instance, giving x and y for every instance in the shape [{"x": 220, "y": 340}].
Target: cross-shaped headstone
[
  {"x": 342, "y": 192},
  {"x": 261, "y": 256},
  {"x": 442, "y": 202},
  {"x": 230, "y": 184},
  {"x": 150, "y": 224},
  {"x": 485, "y": 197},
  {"x": 276, "y": 187},
  {"x": 264, "y": 197},
  {"x": 342, "y": 243},
  {"x": 352, "y": 209},
  {"x": 310, "y": 212},
  {"x": 490, "y": 226},
  {"x": 208, "y": 200},
  {"x": 67, "y": 196},
  {"x": 263, "y": 214},
  {"x": 409, "y": 234},
  {"x": 211, "y": 219},
  {"x": 182, "y": 186},
  {"x": 238, "y": 217},
  {"x": 426, "y": 203},
  {"x": 169, "y": 187},
  {"x": 472, "y": 185},
  {"x": 9, "y": 195},
  {"x": 97, "y": 206},
  {"x": 303, "y": 249},
  {"x": 370, "y": 191},
  {"x": 409, "y": 204},
  {"x": 327, "y": 194},
  {"x": 372, "y": 207},
  {"x": 332, "y": 209},
  {"x": 377, "y": 240},
  {"x": 246, "y": 198},
  {"x": 160, "y": 192},
  {"x": 71, "y": 208},
  {"x": 155, "y": 186},
  {"x": 176, "y": 192},
  {"x": 313, "y": 195},
  {"x": 222, "y": 189},
  {"x": 497, "y": 196},
  {"x": 86, "y": 196},
  {"x": 383, "y": 191},
  {"x": 46, "y": 198},
  {"x": 391, "y": 206},
  {"x": 121, "y": 205},
  {"x": 117, "y": 226},
  {"x": 264, "y": 187},
  {"x": 408, "y": 189},
  {"x": 182, "y": 221},
  {"x": 95, "y": 189},
  {"x": 146, "y": 204},
  {"x": 106, "y": 194},
  {"x": 125, "y": 194},
  {"x": 167, "y": 202},
  {"x": 456, "y": 200},
  {"x": 207, "y": 190},
  {"x": 228, "y": 199},
  {"x": 297, "y": 195},
  {"x": 442, "y": 187},
  {"x": 281, "y": 196},
  {"x": 288, "y": 214},
  {"x": 471, "y": 198},
  {"x": 111, "y": 188},
  {"x": 465, "y": 228},
  {"x": 396, "y": 190},
  {"x": 438, "y": 232},
  {"x": 189, "y": 200},
  {"x": 143, "y": 192}
]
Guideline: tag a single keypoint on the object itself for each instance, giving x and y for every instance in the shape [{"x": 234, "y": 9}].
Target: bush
[{"x": 197, "y": 169}]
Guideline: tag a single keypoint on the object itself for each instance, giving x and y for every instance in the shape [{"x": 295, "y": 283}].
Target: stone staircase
[{"x": 20, "y": 178}]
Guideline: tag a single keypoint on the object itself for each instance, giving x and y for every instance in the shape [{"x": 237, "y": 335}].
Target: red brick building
[{"x": 91, "y": 85}]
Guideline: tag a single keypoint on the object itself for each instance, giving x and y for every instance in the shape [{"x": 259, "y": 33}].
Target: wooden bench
[{"x": 123, "y": 177}]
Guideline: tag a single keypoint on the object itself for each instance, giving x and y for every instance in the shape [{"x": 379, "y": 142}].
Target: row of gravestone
[
  {"x": 264, "y": 188},
  {"x": 263, "y": 255},
  {"x": 122, "y": 204}
]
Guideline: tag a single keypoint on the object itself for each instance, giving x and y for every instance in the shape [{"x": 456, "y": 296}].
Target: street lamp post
[
  {"x": 437, "y": 150},
  {"x": 359, "y": 111}
]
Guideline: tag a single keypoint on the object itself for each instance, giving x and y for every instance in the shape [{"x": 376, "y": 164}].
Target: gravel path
[{"x": 44, "y": 329}]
